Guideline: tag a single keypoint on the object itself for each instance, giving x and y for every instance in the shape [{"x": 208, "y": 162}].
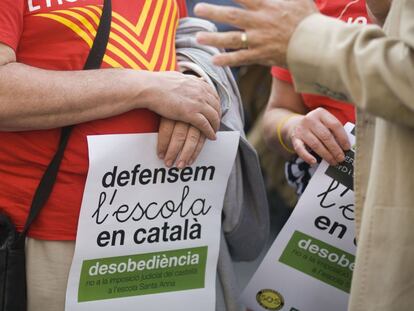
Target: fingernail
[
  {"x": 217, "y": 61},
  {"x": 181, "y": 165},
  {"x": 340, "y": 158},
  {"x": 169, "y": 163},
  {"x": 199, "y": 38},
  {"x": 190, "y": 162},
  {"x": 199, "y": 8},
  {"x": 161, "y": 155}
]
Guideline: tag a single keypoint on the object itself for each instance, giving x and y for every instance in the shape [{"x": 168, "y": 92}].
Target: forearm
[
  {"x": 356, "y": 63},
  {"x": 32, "y": 98}
]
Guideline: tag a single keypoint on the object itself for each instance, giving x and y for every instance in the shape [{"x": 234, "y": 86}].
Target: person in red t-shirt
[
  {"x": 43, "y": 48},
  {"x": 310, "y": 126}
]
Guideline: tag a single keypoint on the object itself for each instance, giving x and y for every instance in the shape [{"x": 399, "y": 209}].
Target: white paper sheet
[
  {"x": 148, "y": 236},
  {"x": 309, "y": 266}
]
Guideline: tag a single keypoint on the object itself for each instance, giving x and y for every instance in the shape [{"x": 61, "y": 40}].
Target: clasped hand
[{"x": 190, "y": 113}]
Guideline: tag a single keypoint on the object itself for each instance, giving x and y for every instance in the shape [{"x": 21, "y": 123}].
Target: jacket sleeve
[{"x": 358, "y": 63}]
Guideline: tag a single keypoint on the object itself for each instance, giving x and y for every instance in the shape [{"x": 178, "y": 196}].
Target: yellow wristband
[{"x": 279, "y": 131}]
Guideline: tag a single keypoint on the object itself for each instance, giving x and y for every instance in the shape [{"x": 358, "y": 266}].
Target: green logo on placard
[
  {"x": 320, "y": 260},
  {"x": 142, "y": 274}
]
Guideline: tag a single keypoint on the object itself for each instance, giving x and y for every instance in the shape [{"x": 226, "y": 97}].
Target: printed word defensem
[
  {"x": 155, "y": 262},
  {"x": 162, "y": 175}
]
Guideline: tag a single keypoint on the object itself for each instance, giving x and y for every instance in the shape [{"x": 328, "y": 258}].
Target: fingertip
[
  {"x": 161, "y": 156},
  {"x": 310, "y": 161},
  {"x": 340, "y": 158},
  {"x": 200, "y": 37},
  {"x": 168, "y": 163},
  {"x": 307, "y": 157},
  {"x": 199, "y": 9},
  {"x": 218, "y": 61},
  {"x": 210, "y": 134}
]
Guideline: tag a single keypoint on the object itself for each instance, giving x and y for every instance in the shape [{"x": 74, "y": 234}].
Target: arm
[
  {"x": 283, "y": 102},
  {"x": 358, "y": 64},
  {"x": 362, "y": 63},
  {"x": 302, "y": 130},
  {"x": 32, "y": 98}
]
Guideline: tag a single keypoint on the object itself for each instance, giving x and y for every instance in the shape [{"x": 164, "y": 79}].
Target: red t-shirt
[
  {"x": 350, "y": 12},
  {"x": 57, "y": 35}
]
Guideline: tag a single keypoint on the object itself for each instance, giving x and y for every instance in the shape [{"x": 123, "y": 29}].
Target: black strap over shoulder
[
  {"x": 94, "y": 61},
  {"x": 98, "y": 49}
]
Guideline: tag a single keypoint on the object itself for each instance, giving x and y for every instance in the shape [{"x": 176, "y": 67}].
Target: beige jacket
[{"x": 373, "y": 68}]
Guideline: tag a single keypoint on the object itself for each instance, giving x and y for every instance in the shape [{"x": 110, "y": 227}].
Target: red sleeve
[
  {"x": 282, "y": 74},
  {"x": 11, "y": 22},
  {"x": 181, "y": 6}
]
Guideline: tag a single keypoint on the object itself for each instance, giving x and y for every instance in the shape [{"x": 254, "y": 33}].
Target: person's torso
[
  {"x": 57, "y": 35},
  {"x": 384, "y": 148},
  {"x": 349, "y": 11}
]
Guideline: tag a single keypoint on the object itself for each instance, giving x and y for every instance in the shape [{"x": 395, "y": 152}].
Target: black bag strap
[
  {"x": 94, "y": 61},
  {"x": 97, "y": 52}
]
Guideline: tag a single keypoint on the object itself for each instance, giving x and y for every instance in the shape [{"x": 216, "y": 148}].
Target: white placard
[
  {"x": 148, "y": 236},
  {"x": 309, "y": 266}
]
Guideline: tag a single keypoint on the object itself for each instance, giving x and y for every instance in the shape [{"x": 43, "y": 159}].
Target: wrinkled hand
[
  {"x": 269, "y": 25},
  {"x": 321, "y": 132},
  {"x": 378, "y": 10},
  {"x": 179, "y": 142},
  {"x": 185, "y": 98}
]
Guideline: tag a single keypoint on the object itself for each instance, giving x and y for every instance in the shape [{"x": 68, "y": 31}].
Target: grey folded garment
[{"x": 245, "y": 212}]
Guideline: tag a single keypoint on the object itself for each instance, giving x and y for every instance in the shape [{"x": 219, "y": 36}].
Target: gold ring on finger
[{"x": 244, "y": 41}]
